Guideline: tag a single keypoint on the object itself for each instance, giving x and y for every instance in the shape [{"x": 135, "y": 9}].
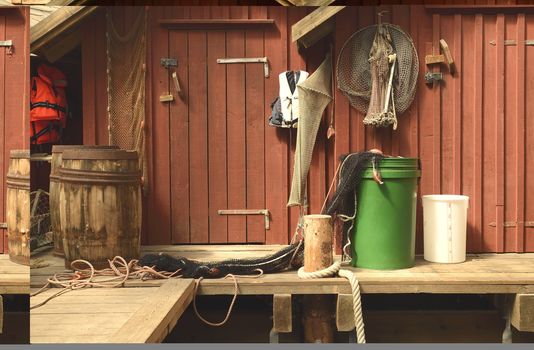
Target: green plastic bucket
[{"x": 384, "y": 231}]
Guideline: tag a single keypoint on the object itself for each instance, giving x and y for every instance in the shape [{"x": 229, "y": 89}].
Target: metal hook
[{"x": 380, "y": 14}]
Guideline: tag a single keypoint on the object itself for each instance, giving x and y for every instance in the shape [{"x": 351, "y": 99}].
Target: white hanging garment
[{"x": 289, "y": 94}]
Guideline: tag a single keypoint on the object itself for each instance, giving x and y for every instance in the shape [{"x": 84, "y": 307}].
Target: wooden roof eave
[
  {"x": 315, "y": 26},
  {"x": 56, "y": 24}
]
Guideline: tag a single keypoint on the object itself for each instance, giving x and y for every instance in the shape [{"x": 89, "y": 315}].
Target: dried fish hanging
[{"x": 126, "y": 69}]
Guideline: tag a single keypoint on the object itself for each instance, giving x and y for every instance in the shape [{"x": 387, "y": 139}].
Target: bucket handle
[{"x": 376, "y": 172}]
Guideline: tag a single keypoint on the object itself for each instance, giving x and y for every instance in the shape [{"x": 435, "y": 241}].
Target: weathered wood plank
[
  {"x": 153, "y": 321},
  {"x": 522, "y": 316},
  {"x": 314, "y": 26},
  {"x": 344, "y": 313},
  {"x": 282, "y": 313}
]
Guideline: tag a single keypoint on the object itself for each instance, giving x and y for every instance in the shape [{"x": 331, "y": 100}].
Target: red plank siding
[
  {"x": 255, "y": 129},
  {"x": 14, "y": 95},
  {"x": 218, "y": 190},
  {"x": 276, "y": 156},
  {"x": 471, "y": 131}
]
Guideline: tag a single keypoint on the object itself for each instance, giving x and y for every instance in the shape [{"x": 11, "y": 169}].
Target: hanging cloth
[{"x": 315, "y": 93}]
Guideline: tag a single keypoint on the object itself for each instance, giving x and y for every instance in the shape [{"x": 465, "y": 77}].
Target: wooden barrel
[
  {"x": 100, "y": 205},
  {"x": 18, "y": 206},
  {"x": 57, "y": 153}
]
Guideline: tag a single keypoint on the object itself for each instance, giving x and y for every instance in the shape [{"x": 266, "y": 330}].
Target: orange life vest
[{"x": 48, "y": 105}]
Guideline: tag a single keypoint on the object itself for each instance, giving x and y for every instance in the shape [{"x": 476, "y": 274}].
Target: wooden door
[
  {"x": 14, "y": 98},
  {"x": 217, "y": 125}
]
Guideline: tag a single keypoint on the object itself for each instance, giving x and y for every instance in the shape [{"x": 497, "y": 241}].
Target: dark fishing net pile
[
  {"x": 344, "y": 202},
  {"x": 288, "y": 257}
]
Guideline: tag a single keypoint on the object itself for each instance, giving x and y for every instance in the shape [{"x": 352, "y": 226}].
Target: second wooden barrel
[
  {"x": 100, "y": 205},
  {"x": 18, "y": 206},
  {"x": 57, "y": 153}
]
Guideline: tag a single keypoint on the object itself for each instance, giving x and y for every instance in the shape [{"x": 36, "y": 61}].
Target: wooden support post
[
  {"x": 522, "y": 317},
  {"x": 318, "y": 232},
  {"x": 344, "y": 313},
  {"x": 282, "y": 313},
  {"x": 318, "y": 309},
  {"x": 1, "y": 315}
]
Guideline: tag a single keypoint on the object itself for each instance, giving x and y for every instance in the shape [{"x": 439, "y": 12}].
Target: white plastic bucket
[{"x": 445, "y": 226}]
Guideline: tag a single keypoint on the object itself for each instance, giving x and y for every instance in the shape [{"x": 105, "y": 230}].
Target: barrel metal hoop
[
  {"x": 18, "y": 181},
  {"x": 98, "y": 177}
]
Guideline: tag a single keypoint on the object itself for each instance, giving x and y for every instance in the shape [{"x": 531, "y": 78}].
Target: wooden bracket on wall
[{"x": 446, "y": 57}]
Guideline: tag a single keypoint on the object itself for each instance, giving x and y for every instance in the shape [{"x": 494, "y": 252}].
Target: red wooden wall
[
  {"x": 14, "y": 98},
  {"x": 471, "y": 131}
]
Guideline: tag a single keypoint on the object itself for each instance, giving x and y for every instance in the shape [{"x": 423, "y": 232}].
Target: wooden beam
[
  {"x": 311, "y": 2},
  {"x": 284, "y": 2},
  {"x": 215, "y": 23},
  {"x": 1, "y": 315},
  {"x": 282, "y": 313},
  {"x": 61, "y": 47},
  {"x": 152, "y": 322},
  {"x": 57, "y": 23},
  {"x": 522, "y": 316},
  {"x": 314, "y": 26},
  {"x": 344, "y": 313}
]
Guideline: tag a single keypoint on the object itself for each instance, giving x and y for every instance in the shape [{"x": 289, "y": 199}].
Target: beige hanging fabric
[
  {"x": 126, "y": 68},
  {"x": 315, "y": 93}
]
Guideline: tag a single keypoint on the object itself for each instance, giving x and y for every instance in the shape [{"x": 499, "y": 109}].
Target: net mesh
[
  {"x": 314, "y": 95},
  {"x": 361, "y": 65},
  {"x": 126, "y": 68},
  {"x": 344, "y": 202},
  {"x": 40, "y": 228}
]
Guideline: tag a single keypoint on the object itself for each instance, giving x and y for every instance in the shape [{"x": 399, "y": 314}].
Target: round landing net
[{"x": 354, "y": 70}]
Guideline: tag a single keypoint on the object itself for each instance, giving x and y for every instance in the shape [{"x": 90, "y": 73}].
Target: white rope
[
  {"x": 356, "y": 304},
  {"x": 332, "y": 270},
  {"x": 329, "y": 271}
]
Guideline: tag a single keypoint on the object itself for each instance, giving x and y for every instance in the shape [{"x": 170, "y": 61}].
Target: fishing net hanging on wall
[
  {"x": 40, "y": 227},
  {"x": 126, "y": 68},
  {"x": 363, "y": 72}
]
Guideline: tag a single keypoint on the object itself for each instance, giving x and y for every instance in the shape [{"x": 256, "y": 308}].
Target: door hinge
[
  {"x": 263, "y": 60},
  {"x": 513, "y": 223},
  {"x": 264, "y": 212},
  {"x": 3, "y": 225},
  {"x": 7, "y": 44}
]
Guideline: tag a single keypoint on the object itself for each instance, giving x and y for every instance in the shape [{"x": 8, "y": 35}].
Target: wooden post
[{"x": 318, "y": 309}]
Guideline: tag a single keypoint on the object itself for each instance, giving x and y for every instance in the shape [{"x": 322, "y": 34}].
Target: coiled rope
[
  {"x": 332, "y": 270},
  {"x": 118, "y": 272}
]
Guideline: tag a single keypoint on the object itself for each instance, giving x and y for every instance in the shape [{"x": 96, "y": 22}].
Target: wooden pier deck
[
  {"x": 480, "y": 274},
  {"x": 14, "y": 278},
  {"x": 110, "y": 315}
]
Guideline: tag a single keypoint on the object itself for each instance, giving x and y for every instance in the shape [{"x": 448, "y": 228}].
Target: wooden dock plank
[
  {"x": 117, "y": 315},
  {"x": 152, "y": 322},
  {"x": 480, "y": 274},
  {"x": 14, "y": 278}
]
